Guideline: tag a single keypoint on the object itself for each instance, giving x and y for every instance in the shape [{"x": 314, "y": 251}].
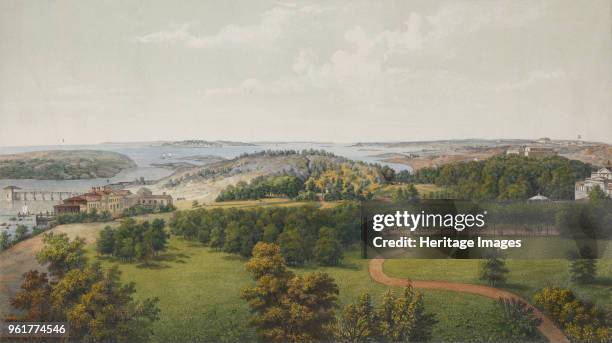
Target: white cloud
[{"x": 271, "y": 26}]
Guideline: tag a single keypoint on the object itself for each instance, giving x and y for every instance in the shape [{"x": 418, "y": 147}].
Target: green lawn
[
  {"x": 525, "y": 277},
  {"x": 199, "y": 296}
]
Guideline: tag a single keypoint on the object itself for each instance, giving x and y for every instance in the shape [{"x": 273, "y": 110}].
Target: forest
[
  {"x": 504, "y": 177},
  {"x": 304, "y": 233}
]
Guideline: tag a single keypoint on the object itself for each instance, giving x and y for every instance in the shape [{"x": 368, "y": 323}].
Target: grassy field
[
  {"x": 199, "y": 296},
  {"x": 525, "y": 277}
]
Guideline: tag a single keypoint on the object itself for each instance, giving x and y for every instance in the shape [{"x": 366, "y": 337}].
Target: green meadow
[
  {"x": 199, "y": 289},
  {"x": 525, "y": 276}
]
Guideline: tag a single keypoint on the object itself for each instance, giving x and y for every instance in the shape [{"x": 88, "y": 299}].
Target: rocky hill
[
  {"x": 206, "y": 182},
  {"x": 63, "y": 165}
]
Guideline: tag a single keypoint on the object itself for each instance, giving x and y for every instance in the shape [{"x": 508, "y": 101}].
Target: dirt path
[{"x": 548, "y": 328}]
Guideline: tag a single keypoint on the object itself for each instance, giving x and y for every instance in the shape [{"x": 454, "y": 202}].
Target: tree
[
  {"x": 291, "y": 242},
  {"x": 583, "y": 266},
  {"x": 358, "y": 322},
  {"x": 328, "y": 250},
  {"x": 408, "y": 192},
  {"x": 288, "y": 308},
  {"x": 270, "y": 233},
  {"x": 493, "y": 268},
  {"x": 159, "y": 237},
  {"x": 107, "y": 312},
  {"x": 310, "y": 304},
  {"x": 597, "y": 193},
  {"x": 61, "y": 254},
  {"x": 5, "y": 240},
  {"x": 21, "y": 233},
  {"x": 106, "y": 241},
  {"x": 33, "y": 298},
  {"x": 403, "y": 318},
  {"x": 517, "y": 320}
]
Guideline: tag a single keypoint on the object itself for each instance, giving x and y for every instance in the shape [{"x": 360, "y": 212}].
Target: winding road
[{"x": 547, "y": 327}]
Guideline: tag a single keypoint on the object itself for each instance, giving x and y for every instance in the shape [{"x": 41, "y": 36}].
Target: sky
[{"x": 341, "y": 71}]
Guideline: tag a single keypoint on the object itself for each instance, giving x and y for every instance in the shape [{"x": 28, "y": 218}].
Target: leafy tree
[
  {"x": 328, "y": 250},
  {"x": 105, "y": 244},
  {"x": 5, "y": 240},
  {"x": 33, "y": 298},
  {"x": 493, "y": 268},
  {"x": 597, "y": 193},
  {"x": 288, "y": 308},
  {"x": 21, "y": 232},
  {"x": 358, "y": 322},
  {"x": 61, "y": 254},
  {"x": 270, "y": 233},
  {"x": 403, "y": 318},
  {"x": 97, "y": 307},
  {"x": 107, "y": 312},
  {"x": 292, "y": 247},
  {"x": 583, "y": 266},
  {"x": 408, "y": 192},
  {"x": 517, "y": 320}
]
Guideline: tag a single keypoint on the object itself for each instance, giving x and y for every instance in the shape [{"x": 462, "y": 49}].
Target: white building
[{"x": 601, "y": 178}]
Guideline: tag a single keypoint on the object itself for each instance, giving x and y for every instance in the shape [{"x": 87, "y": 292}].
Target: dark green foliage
[
  {"x": 493, "y": 269},
  {"x": 105, "y": 244},
  {"x": 263, "y": 187},
  {"x": 590, "y": 220},
  {"x": 583, "y": 266},
  {"x": 597, "y": 194},
  {"x": 295, "y": 229},
  {"x": 5, "y": 240},
  {"x": 140, "y": 210},
  {"x": 517, "y": 320},
  {"x": 84, "y": 217},
  {"x": 404, "y": 193},
  {"x": 132, "y": 240},
  {"x": 21, "y": 232},
  {"x": 506, "y": 177},
  {"x": 328, "y": 249}
]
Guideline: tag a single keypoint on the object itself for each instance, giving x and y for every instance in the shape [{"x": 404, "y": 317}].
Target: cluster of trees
[
  {"x": 92, "y": 300},
  {"x": 21, "y": 233},
  {"x": 141, "y": 209},
  {"x": 289, "y": 152},
  {"x": 581, "y": 320},
  {"x": 131, "y": 240},
  {"x": 348, "y": 180},
  {"x": 399, "y": 318},
  {"x": 304, "y": 233},
  {"x": 301, "y": 308},
  {"x": 328, "y": 176},
  {"x": 287, "y": 186},
  {"x": 84, "y": 217},
  {"x": 506, "y": 177},
  {"x": 580, "y": 220},
  {"x": 405, "y": 193}
]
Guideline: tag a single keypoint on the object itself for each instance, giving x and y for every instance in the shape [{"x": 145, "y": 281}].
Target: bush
[
  {"x": 518, "y": 321},
  {"x": 581, "y": 320}
]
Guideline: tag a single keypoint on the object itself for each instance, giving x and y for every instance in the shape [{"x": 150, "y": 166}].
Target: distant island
[
  {"x": 63, "y": 165},
  {"x": 200, "y": 143}
]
